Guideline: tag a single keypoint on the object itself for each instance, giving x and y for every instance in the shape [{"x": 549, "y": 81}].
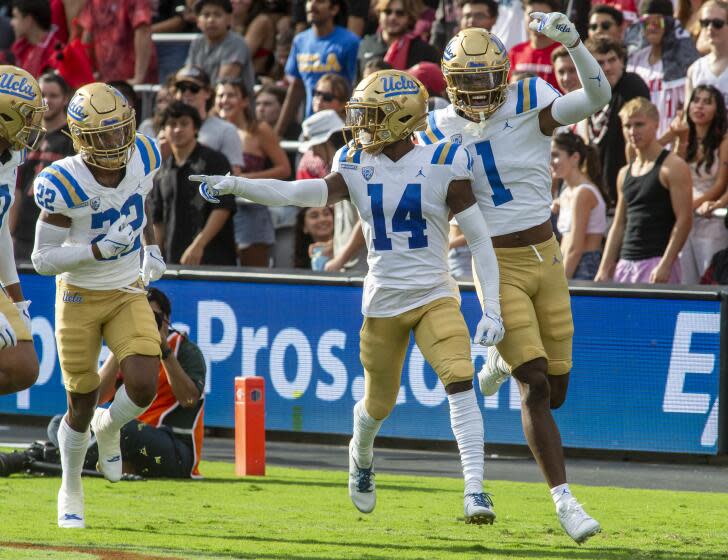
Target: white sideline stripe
[{"x": 15, "y": 445}]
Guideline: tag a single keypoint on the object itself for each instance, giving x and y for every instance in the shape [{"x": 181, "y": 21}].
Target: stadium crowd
[{"x": 261, "y": 88}]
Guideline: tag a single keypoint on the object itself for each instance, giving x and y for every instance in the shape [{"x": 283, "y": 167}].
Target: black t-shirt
[
  {"x": 373, "y": 46},
  {"x": 177, "y": 204},
  {"x": 56, "y": 145},
  {"x": 610, "y": 142}
]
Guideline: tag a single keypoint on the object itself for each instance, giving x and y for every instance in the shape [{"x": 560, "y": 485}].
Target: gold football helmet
[
  {"x": 21, "y": 109},
  {"x": 102, "y": 125},
  {"x": 475, "y": 65},
  {"x": 386, "y": 106}
]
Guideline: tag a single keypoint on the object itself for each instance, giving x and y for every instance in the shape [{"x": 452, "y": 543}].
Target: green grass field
[{"x": 292, "y": 514}]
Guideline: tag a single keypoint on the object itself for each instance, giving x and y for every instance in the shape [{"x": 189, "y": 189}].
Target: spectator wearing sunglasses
[
  {"x": 663, "y": 63},
  {"x": 192, "y": 86},
  {"x": 712, "y": 69},
  {"x": 396, "y": 41},
  {"x": 332, "y": 92},
  {"x": 606, "y": 22}
]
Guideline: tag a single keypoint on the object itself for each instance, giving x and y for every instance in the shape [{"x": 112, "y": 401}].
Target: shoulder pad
[
  {"x": 534, "y": 93},
  {"x": 432, "y": 134},
  {"x": 349, "y": 155},
  {"x": 149, "y": 153},
  {"x": 444, "y": 153},
  {"x": 58, "y": 178}
]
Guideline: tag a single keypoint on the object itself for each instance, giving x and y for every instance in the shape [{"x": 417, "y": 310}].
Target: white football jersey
[
  {"x": 512, "y": 180},
  {"x": 404, "y": 217},
  {"x": 67, "y": 187},
  {"x": 8, "y": 178}
]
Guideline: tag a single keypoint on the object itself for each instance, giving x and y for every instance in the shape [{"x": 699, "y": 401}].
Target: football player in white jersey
[
  {"x": 508, "y": 130},
  {"x": 89, "y": 234},
  {"x": 21, "y": 117},
  {"x": 404, "y": 193}
]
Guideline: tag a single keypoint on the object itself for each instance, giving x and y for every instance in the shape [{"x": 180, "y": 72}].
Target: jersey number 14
[{"x": 407, "y": 217}]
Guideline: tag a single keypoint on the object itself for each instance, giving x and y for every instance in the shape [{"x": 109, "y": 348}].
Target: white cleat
[
  {"x": 479, "y": 509},
  {"x": 576, "y": 522},
  {"x": 70, "y": 510},
  {"x": 493, "y": 373},
  {"x": 362, "y": 490},
  {"x": 109, "y": 449}
]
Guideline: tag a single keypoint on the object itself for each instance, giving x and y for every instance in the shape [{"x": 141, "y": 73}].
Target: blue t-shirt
[{"x": 313, "y": 56}]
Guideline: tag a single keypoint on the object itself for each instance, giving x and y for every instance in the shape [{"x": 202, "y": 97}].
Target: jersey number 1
[
  {"x": 501, "y": 194},
  {"x": 407, "y": 217}
]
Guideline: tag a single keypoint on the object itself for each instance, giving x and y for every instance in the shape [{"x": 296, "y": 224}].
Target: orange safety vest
[{"x": 165, "y": 402}]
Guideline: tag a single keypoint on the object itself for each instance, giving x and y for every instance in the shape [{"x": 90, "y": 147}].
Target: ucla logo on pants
[{"x": 11, "y": 85}]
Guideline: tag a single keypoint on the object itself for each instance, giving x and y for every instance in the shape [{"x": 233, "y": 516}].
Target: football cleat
[
  {"x": 109, "y": 448},
  {"x": 576, "y": 522},
  {"x": 479, "y": 509},
  {"x": 493, "y": 373},
  {"x": 385, "y": 107},
  {"x": 70, "y": 510},
  {"x": 362, "y": 491}
]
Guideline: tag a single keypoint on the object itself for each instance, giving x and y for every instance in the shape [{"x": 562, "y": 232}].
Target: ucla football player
[
  {"x": 89, "y": 234},
  {"x": 508, "y": 130},
  {"x": 404, "y": 193},
  {"x": 21, "y": 117}
]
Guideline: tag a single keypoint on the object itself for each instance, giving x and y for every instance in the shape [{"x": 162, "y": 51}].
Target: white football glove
[
  {"x": 23, "y": 308},
  {"x": 153, "y": 265},
  {"x": 490, "y": 329},
  {"x": 117, "y": 239},
  {"x": 555, "y": 26},
  {"x": 7, "y": 334},
  {"x": 213, "y": 186}
]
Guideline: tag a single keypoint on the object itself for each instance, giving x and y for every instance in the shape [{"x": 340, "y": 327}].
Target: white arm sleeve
[
  {"x": 8, "y": 272},
  {"x": 472, "y": 224},
  {"x": 594, "y": 94},
  {"x": 50, "y": 258},
  {"x": 272, "y": 192}
]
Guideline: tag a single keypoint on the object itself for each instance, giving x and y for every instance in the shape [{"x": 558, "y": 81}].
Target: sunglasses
[
  {"x": 398, "y": 13},
  {"x": 603, "y": 25},
  {"x": 188, "y": 86},
  {"x": 326, "y": 96},
  {"x": 651, "y": 19},
  {"x": 716, "y": 23}
]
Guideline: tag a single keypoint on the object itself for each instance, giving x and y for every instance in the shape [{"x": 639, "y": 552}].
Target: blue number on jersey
[
  {"x": 135, "y": 203},
  {"x": 45, "y": 197},
  {"x": 407, "y": 217},
  {"x": 5, "y": 199},
  {"x": 501, "y": 194}
]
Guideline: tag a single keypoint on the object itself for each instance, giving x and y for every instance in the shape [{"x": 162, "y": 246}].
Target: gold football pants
[{"x": 441, "y": 335}]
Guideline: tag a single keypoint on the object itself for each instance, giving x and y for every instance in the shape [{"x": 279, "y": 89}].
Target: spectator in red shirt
[
  {"x": 36, "y": 40},
  {"x": 120, "y": 34},
  {"x": 534, "y": 56}
]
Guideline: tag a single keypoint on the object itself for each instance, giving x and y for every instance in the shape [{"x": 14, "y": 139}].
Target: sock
[
  {"x": 559, "y": 492},
  {"x": 467, "y": 426},
  {"x": 121, "y": 411},
  {"x": 73, "y": 446},
  {"x": 365, "y": 430}
]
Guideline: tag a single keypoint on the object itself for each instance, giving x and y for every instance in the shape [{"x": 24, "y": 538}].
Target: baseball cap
[
  {"x": 192, "y": 74},
  {"x": 318, "y": 128},
  {"x": 430, "y": 75}
]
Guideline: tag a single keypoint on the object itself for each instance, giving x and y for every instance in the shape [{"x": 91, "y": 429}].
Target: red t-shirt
[
  {"x": 112, "y": 24},
  {"x": 36, "y": 58},
  {"x": 524, "y": 58},
  {"x": 627, "y": 7}
]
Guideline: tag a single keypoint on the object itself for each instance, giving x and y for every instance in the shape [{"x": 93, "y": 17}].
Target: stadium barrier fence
[{"x": 649, "y": 369}]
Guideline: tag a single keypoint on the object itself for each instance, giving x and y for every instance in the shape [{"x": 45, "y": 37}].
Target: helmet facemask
[
  {"x": 109, "y": 146},
  {"x": 31, "y": 133},
  {"x": 478, "y": 92},
  {"x": 371, "y": 126}
]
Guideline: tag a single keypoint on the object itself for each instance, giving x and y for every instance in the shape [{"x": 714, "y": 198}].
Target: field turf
[{"x": 296, "y": 514}]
